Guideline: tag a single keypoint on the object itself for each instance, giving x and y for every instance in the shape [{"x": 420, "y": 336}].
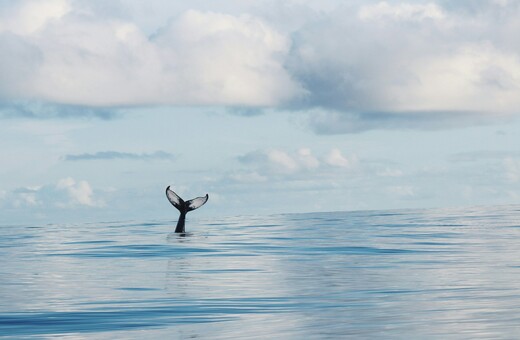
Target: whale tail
[{"x": 184, "y": 206}]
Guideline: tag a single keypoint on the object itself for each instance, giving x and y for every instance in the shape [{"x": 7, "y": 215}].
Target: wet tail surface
[{"x": 184, "y": 207}]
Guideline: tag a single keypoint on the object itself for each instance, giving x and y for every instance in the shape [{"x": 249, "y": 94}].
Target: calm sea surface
[{"x": 375, "y": 274}]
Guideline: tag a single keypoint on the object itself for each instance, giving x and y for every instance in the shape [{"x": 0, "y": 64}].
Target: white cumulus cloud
[
  {"x": 198, "y": 58},
  {"x": 307, "y": 159},
  {"x": 386, "y": 64},
  {"x": 79, "y": 192},
  {"x": 282, "y": 161},
  {"x": 336, "y": 158},
  {"x": 65, "y": 194},
  {"x": 276, "y": 161},
  {"x": 30, "y": 16},
  {"x": 25, "y": 197}
]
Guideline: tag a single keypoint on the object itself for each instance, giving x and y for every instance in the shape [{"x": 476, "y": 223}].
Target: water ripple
[{"x": 416, "y": 274}]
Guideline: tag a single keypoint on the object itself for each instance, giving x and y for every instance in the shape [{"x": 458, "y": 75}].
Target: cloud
[
  {"x": 476, "y": 156},
  {"x": 405, "y": 191},
  {"x": 334, "y": 122},
  {"x": 352, "y": 66},
  {"x": 201, "y": 58},
  {"x": 79, "y": 192},
  {"x": 307, "y": 159},
  {"x": 44, "y": 110},
  {"x": 390, "y": 172},
  {"x": 336, "y": 158},
  {"x": 30, "y": 16},
  {"x": 403, "y": 11},
  {"x": 67, "y": 193},
  {"x": 25, "y": 197},
  {"x": 280, "y": 162},
  {"x": 405, "y": 58},
  {"x": 113, "y": 155},
  {"x": 246, "y": 111},
  {"x": 273, "y": 161},
  {"x": 512, "y": 169},
  {"x": 247, "y": 177},
  {"x": 394, "y": 66},
  {"x": 19, "y": 60}
]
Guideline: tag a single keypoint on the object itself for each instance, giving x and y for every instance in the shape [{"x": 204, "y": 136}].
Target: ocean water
[{"x": 421, "y": 274}]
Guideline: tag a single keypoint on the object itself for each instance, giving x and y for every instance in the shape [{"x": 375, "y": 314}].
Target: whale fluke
[{"x": 184, "y": 206}]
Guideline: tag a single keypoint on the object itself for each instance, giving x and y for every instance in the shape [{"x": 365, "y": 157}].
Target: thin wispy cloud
[
  {"x": 485, "y": 155},
  {"x": 46, "y": 110},
  {"x": 335, "y": 122},
  {"x": 116, "y": 155}
]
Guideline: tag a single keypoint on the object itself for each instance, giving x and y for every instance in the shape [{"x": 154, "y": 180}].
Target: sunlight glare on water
[{"x": 372, "y": 274}]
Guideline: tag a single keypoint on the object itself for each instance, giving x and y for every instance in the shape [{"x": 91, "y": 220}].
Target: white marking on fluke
[{"x": 184, "y": 206}]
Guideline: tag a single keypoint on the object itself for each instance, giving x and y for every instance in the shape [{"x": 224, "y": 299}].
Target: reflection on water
[{"x": 399, "y": 274}]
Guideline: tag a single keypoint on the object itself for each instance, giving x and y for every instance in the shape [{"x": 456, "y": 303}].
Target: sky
[{"x": 267, "y": 106}]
